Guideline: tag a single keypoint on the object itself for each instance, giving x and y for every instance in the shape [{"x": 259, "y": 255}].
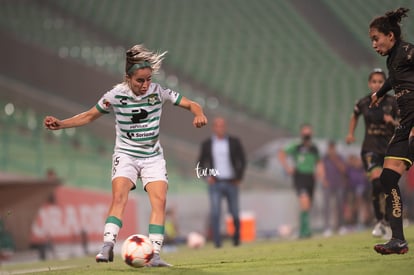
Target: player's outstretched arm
[
  {"x": 81, "y": 119},
  {"x": 199, "y": 118}
]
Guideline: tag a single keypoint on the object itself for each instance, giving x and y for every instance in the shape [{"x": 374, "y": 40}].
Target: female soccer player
[
  {"x": 385, "y": 34},
  {"x": 137, "y": 104},
  {"x": 379, "y": 126}
]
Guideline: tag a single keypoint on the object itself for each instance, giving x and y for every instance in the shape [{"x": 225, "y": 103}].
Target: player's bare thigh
[{"x": 396, "y": 165}]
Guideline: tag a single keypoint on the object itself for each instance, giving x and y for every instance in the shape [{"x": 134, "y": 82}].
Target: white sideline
[{"x": 42, "y": 269}]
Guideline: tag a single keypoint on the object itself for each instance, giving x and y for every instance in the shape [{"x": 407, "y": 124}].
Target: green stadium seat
[{"x": 266, "y": 58}]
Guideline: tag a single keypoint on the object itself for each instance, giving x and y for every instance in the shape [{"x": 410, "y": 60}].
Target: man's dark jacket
[{"x": 237, "y": 157}]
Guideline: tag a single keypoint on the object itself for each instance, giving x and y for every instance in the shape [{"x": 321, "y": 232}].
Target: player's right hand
[
  {"x": 290, "y": 171},
  {"x": 349, "y": 139},
  {"x": 200, "y": 121},
  {"x": 52, "y": 123}
]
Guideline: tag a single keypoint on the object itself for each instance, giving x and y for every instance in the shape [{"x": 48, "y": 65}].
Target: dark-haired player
[
  {"x": 380, "y": 122},
  {"x": 385, "y": 34}
]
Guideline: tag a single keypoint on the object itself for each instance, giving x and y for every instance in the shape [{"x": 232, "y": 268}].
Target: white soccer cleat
[
  {"x": 106, "y": 254},
  {"x": 157, "y": 262}
]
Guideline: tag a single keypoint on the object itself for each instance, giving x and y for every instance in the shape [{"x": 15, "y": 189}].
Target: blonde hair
[{"x": 140, "y": 55}]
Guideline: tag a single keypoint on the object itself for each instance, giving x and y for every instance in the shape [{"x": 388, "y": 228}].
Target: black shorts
[
  {"x": 304, "y": 183},
  {"x": 372, "y": 160},
  {"x": 399, "y": 147}
]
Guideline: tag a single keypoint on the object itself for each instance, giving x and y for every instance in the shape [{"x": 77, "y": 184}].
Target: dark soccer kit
[
  {"x": 377, "y": 132},
  {"x": 400, "y": 63}
]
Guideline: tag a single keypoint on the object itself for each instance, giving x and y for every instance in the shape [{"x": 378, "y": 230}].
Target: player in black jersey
[
  {"x": 380, "y": 122},
  {"x": 385, "y": 34}
]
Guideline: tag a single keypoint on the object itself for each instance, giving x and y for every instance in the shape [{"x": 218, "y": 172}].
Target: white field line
[{"x": 42, "y": 269}]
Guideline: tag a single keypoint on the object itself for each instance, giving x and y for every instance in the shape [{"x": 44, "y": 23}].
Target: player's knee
[
  {"x": 119, "y": 199},
  {"x": 375, "y": 173}
]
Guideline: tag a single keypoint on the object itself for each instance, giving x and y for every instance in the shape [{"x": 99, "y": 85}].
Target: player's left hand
[{"x": 200, "y": 121}]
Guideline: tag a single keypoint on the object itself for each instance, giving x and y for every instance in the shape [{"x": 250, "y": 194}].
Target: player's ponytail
[
  {"x": 390, "y": 22},
  {"x": 396, "y": 15},
  {"x": 140, "y": 57}
]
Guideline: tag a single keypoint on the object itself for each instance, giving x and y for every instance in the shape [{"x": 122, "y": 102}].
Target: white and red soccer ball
[
  {"x": 195, "y": 240},
  {"x": 137, "y": 250}
]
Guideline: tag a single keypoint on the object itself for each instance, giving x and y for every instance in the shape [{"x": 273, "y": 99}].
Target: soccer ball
[
  {"x": 137, "y": 250},
  {"x": 195, "y": 240},
  {"x": 285, "y": 231}
]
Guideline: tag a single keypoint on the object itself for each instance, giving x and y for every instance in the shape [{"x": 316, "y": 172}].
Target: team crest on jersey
[{"x": 153, "y": 99}]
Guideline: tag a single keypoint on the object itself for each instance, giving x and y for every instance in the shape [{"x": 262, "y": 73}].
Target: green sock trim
[
  {"x": 114, "y": 220},
  {"x": 156, "y": 229}
]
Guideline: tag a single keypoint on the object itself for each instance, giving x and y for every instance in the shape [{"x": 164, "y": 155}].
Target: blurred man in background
[{"x": 222, "y": 156}]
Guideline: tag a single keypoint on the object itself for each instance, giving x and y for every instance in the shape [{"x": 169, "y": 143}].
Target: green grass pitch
[{"x": 349, "y": 254}]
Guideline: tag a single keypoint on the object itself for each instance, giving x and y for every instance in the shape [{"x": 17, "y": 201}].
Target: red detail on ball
[
  {"x": 148, "y": 257},
  {"x": 137, "y": 240},
  {"x": 128, "y": 260}
]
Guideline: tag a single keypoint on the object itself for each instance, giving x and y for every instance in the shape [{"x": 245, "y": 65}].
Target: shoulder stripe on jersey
[{"x": 101, "y": 110}]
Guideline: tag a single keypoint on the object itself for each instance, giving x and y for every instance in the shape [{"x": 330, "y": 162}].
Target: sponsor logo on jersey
[
  {"x": 138, "y": 115},
  {"x": 138, "y": 126},
  {"x": 140, "y": 135}
]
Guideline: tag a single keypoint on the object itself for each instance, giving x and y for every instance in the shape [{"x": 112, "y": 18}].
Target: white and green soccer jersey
[{"x": 137, "y": 118}]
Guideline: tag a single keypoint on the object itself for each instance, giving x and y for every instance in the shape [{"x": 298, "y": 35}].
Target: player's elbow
[{"x": 194, "y": 106}]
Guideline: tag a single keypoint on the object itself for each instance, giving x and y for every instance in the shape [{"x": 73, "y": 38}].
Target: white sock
[
  {"x": 157, "y": 240},
  {"x": 111, "y": 232}
]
